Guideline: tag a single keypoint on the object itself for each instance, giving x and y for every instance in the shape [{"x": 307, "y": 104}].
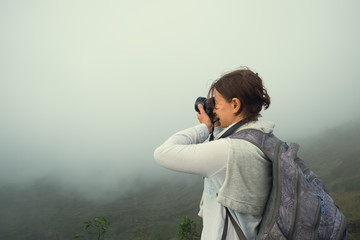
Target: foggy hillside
[
  {"x": 335, "y": 156},
  {"x": 152, "y": 209}
]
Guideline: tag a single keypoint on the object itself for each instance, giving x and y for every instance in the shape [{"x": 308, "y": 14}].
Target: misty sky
[{"x": 88, "y": 89}]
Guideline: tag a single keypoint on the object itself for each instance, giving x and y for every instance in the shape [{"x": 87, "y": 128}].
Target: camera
[{"x": 206, "y": 103}]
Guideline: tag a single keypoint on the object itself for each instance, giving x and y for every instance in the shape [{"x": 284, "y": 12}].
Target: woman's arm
[{"x": 186, "y": 151}]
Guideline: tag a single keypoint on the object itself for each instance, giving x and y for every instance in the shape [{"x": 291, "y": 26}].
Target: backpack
[{"x": 299, "y": 205}]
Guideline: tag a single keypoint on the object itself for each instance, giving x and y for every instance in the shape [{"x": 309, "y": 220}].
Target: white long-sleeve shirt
[
  {"x": 187, "y": 151},
  {"x": 184, "y": 152}
]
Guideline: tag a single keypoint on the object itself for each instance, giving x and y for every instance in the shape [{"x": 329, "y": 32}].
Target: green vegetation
[
  {"x": 187, "y": 230},
  {"x": 97, "y": 227}
]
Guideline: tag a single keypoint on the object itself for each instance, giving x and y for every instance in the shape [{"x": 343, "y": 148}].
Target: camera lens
[{"x": 205, "y": 102}]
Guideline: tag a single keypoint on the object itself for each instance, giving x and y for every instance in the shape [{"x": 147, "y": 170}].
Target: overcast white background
[{"x": 88, "y": 89}]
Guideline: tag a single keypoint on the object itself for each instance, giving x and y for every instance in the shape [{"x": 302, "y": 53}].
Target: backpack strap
[
  {"x": 238, "y": 230},
  {"x": 269, "y": 144},
  {"x": 223, "y": 237}
]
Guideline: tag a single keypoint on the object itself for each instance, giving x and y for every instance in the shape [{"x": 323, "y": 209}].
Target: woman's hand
[{"x": 204, "y": 118}]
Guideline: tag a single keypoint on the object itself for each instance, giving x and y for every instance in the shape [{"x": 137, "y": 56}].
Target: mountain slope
[
  {"x": 335, "y": 156},
  {"x": 46, "y": 210}
]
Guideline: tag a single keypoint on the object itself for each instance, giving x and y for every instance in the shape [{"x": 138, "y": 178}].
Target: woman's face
[{"x": 226, "y": 111}]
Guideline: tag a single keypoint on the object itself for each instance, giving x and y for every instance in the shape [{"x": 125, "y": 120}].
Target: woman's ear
[{"x": 236, "y": 104}]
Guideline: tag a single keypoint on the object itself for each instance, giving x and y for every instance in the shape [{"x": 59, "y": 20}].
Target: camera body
[{"x": 206, "y": 103}]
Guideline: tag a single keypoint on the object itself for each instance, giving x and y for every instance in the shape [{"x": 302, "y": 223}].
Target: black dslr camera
[{"x": 207, "y": 105}]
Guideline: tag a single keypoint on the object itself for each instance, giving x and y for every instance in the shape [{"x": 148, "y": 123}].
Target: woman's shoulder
[{"x": 262, "y": 125}]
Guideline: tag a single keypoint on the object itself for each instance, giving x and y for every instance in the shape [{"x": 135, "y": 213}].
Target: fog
[{"x": 88, "y": 89}]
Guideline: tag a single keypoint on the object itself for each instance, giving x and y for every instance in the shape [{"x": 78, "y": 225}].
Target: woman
[{"x": 237, "y": 173}]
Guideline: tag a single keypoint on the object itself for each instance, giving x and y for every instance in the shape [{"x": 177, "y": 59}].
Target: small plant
[
  {"x": 98, "y": 227},
  {"x": 187, "y": 230}
]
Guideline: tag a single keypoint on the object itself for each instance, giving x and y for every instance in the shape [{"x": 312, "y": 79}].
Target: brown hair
[{"x": 245, "y": 85}]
